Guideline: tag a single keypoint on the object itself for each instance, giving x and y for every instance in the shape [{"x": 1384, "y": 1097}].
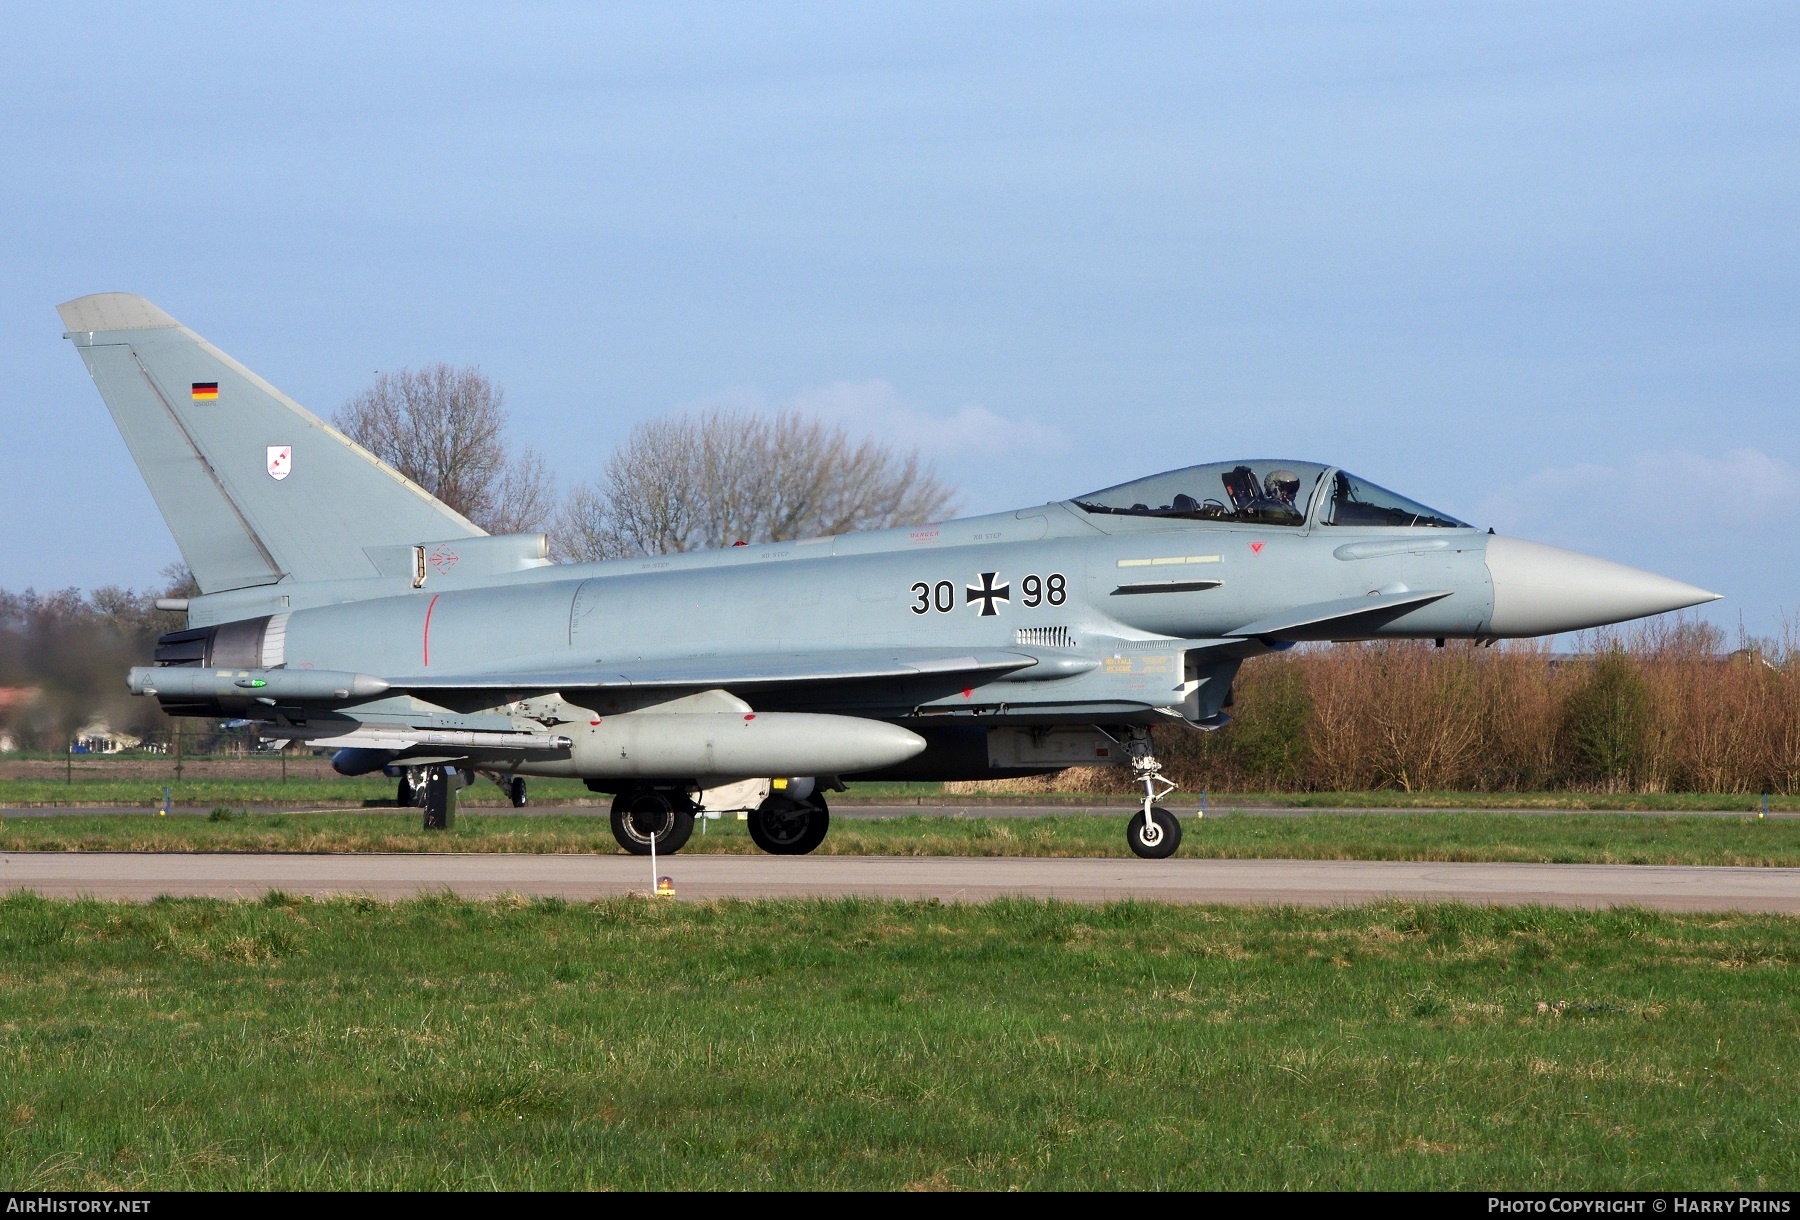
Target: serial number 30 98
[{"x": 1034, "y": 591}]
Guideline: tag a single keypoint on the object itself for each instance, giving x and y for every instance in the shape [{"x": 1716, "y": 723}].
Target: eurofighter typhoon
[{"x": 343, "y": 606}]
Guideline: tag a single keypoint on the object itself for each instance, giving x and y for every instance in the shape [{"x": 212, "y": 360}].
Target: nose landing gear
[{"x": 1153, "y": 833}]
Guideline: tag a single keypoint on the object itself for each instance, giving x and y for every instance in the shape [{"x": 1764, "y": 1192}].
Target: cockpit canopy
[
  {"x": 1355, "y": 501},
  {"x": 1263, "y": 492},
  {"x": 1254, "y": 493}
]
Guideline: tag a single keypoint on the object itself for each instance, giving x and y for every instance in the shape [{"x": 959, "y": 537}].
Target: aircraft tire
[
  {"x": 784, "y": 827},
  {"x": 515, "y": 791},
  {"x": 404, "y": 795},
  {"x": 1167, "y": 838},
  {"x": 642, "y": 812}
]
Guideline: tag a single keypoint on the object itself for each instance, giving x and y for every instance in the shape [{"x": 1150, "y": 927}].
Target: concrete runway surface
[{"x": 142, "y": 876}]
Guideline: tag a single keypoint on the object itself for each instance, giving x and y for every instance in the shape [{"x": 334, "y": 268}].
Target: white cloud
[
  {"x": 1660, "y": 492},
  {"x": 877, "y": 409}
]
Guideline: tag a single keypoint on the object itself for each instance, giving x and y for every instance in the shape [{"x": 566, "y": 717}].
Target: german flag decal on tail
[{"x": 206, "y": 391}]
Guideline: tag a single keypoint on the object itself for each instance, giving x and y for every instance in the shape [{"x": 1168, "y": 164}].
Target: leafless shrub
[
  {"x": 1505, "y": 719},
  {"x": 1778, "y": 669},
  {"x": 1723, "y": 722},
  {"x": 1086, "y": 781},
  {"x": 698, "y": 483},
  {"x": 1397, "y": 714},
  {"x": 445, "y": 429}
]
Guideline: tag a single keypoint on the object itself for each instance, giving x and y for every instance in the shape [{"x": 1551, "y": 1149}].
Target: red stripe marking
[{"x": 427, "y": 644}]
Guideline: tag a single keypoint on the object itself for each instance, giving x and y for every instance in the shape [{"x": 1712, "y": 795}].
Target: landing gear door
[{"x": 1206, "y": 688}]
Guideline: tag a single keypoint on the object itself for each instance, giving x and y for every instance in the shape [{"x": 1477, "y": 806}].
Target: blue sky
[{"x": 1534, "y": 264}]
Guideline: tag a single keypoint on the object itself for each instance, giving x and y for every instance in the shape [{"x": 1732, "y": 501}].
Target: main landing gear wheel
[
  {"x": 1155, "y": 837},
  {"x": 515, "y": 791},
  {"x": 404, "y": 795},
  {"x": 783, "y": 826},
  {"x": 648, "y": 812}
]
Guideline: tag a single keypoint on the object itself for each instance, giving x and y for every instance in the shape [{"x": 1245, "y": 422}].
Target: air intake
[{"x": 1046, "y": 637}]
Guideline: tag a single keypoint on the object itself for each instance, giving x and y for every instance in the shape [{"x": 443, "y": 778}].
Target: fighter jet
[{"x": 343, "y": 606}]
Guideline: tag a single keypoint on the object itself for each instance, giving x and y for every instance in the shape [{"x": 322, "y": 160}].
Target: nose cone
[{"x": 1541, "y": 590}]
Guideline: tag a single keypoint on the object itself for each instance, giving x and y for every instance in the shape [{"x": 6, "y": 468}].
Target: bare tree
[
  {"x": 524, "y": 500},
  {"x": 178, "y": 581},
  {"x": 689, "y": 484},
  {"x": 445, "y": 429}
]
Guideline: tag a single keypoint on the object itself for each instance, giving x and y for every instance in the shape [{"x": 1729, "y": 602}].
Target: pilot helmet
[{"x": 1281, "y": 484}]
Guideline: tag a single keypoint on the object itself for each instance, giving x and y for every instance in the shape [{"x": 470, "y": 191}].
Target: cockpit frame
[{"x": 1260, "y": 493}]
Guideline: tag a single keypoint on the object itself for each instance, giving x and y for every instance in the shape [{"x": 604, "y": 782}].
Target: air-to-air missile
[{"x": 344, "y": 607}]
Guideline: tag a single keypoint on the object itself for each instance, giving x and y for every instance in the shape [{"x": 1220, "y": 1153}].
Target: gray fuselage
[{"x": 1109, "y": 608}]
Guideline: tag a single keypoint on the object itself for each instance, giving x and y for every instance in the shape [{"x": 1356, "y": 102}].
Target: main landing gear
[
  {"x": 784, "y": 824},
  {"x": 1153, "y": 832},
  {"x": 787, "y": 826},
  {"x": 433, "y": 789},
  {"x": 414, "y": 788},
  {"x": 642, "y": 814}
]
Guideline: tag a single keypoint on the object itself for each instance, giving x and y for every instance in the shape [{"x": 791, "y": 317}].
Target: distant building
[{"x": 101, "y": 738}]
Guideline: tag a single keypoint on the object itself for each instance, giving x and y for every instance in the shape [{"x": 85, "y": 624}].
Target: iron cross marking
[{"x": 987, "y": 594}]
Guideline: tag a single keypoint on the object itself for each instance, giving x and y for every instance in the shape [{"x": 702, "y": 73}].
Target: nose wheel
[
  {"x": 783, "y": 826},
  {"x": 1153, "y": 833}
]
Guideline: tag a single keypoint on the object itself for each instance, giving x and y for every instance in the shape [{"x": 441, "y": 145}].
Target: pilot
[{"x": 1282, "y": 486}]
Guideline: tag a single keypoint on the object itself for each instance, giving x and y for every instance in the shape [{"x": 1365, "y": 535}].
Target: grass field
[
  {"x": 1533, "y": 838},
  {"x": 436, "y": 1043}
]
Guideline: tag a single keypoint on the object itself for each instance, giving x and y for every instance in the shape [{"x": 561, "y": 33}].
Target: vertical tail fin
[{"x": 255, "y": 488}]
